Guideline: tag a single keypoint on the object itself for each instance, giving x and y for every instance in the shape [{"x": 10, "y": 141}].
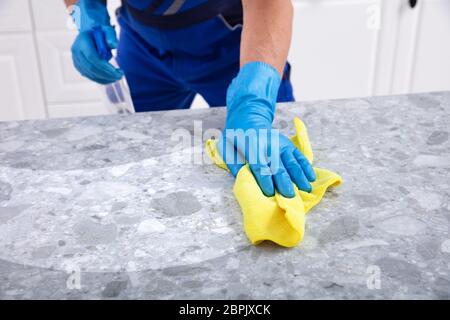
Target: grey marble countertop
[{"x": 113, "y": 207}]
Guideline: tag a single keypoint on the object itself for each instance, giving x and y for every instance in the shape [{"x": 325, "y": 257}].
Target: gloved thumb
[{"x": 110, "y": 36}]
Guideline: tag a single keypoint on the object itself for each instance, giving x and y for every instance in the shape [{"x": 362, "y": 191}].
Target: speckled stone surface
[{"x": 108, "y": 207}]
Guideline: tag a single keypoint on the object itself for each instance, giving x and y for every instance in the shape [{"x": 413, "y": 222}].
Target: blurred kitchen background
[{"x": 340, "y": 49}]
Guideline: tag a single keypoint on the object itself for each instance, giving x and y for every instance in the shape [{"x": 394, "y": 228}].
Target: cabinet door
[
  {"x": 430, "y": 68},
  {"x": 20, "y": 88},
  {"x": 414, "y": 48},
  {"x": 67, "y": 92},
  {"x": 50, "y": 15},
  {"x": 334, "y": 46},
  {"x": 63, "y": 83},
  {"x": 14, "y": 16}
]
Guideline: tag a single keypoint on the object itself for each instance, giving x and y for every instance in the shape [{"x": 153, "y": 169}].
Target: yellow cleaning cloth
[{"x": 278, "y": 219}]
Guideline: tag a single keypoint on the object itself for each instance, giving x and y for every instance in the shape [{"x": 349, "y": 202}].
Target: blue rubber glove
[
  {"x": 248, "y": 136},
  {"x": 89, "y": 15}
]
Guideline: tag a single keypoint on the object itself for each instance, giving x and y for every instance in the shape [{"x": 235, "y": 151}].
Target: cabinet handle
[{"x": 412, "y": 3}]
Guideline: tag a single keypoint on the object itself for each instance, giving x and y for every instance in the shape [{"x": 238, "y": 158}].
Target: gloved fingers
[
  {"x": 89, "y": 63},
  {"x": 295, "y": 171},
  {"x": 255, "y": 149},
  {"x": 283, "y": 181},
  {"x": 230, "y": 155},
  {"x": 110, "y": 36},
  {"x": 306, "y": 166},
  {"x": 86, "y": 72},
  {"x": 263, "y": 177},
  {"x": 101, "y": 68}
]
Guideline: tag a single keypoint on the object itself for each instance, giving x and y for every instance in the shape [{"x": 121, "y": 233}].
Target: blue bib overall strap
[{"x": 177, "y": 20}]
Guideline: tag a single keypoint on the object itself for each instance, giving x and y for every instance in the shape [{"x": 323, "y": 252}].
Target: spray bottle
[{"x": 117, "y": 94}]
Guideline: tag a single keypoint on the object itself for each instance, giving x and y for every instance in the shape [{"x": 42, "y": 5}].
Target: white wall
[{"x": 340, "y": 48}]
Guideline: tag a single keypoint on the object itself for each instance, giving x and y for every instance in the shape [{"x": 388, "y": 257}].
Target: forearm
[
  {"x": 74, "y": 2},
  {"x": 70, "y": 2},
  {"x": 267, "y": 31}
]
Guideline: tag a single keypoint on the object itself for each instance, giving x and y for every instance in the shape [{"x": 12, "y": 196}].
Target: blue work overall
[{"x": 170, "y": 50}]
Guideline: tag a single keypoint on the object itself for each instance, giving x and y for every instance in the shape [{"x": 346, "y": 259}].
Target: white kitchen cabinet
[
  {"x": 63, "y": 84},
  {"x": 21, "y": 92},
  {"x": 49, "y": 15},
  {"x": 20, "y": 88},
  {"x": 425, "y": 50},
  {"x": 15, "y": 16},
  {"x": 67, "y": 92},
  {"x": 333, "y": 50},
  {"x": 340, "y": 50}
]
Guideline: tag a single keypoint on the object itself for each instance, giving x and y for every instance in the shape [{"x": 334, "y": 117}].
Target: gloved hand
[
  {"x": 88, "y": 15},
  {"x": 248, "y": 136}
]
